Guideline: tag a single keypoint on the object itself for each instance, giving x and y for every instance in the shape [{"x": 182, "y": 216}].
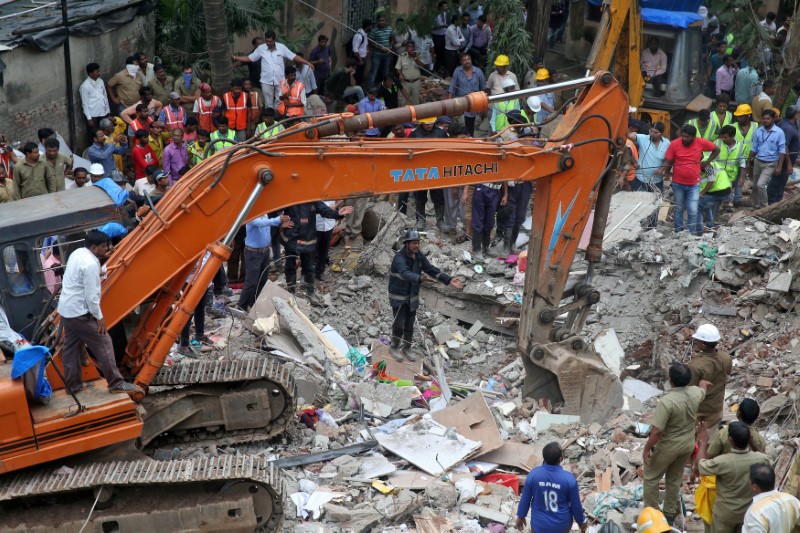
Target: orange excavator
[{"x": 253, "y": 399}]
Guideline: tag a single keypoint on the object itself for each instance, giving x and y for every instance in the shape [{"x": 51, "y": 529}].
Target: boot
[
  {"x": 487, "y": 236},
  {"x": 312, "y": 296},
  {"x": 407, "y": 353},
  {"x": 506, "y": 242},
  {"x": 513, "y": 240},
  {"x": 440, "y": 217},
  {"x": 291, "y": 284},
  {"x": 395, "y": 350},
  {"x": 477, "y": 255},
  {"x": 420, "y": 224}
]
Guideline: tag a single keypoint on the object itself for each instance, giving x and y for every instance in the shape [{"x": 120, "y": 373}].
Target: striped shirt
[
  {"x": 381, "y": 36},
  {"x": 772, "y": 512}
]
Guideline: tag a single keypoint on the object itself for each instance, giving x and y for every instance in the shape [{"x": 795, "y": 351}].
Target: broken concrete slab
[
  {"x": 442, "y": 333},
  {"x": 512, "y": 453},
  {"x": 486, "y": 513},
  {"x": 432, "y": 524},
  {"x": 375, "y": 465},
  {"x": 429, "y": 445},
  {"x": 542, "y": 420},
  {"x": 610, "y": 350},
  {"x": 780, "y": 281},
  {"x": 307, "y": 334},
  {"x": 410, "y": 479},
  {"x": 441, "y": 493},
  {"x": 472, "y": 418},
  {"x": 476, "y": 327},
  {"x": 383, "y": 399},
  {"x": 639, "y": 389},
  {"x": 263, "y": 307}
]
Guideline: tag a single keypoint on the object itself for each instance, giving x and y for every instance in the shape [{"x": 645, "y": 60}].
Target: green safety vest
[
  {"x": 221, "y": 146},
  {"x": 717, "y": 126},
  {"x": 708, "y": 134},
  {"x": 729, "y": 41},
  {"x": 501, "y": 110},
  {"x": 265, "y": 131},
  {"x": 746, "y": 139},
  {"x": 726, "y": 165},
  {"x": 197, "y": 153}
]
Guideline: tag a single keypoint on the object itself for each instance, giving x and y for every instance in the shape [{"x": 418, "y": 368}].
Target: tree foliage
[{"x": 509, "y": 37}]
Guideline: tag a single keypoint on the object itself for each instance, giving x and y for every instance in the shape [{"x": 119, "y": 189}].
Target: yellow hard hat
[
  {"x": 652, "y": 521},
  {"x": 429, "y": 120},
  {"x": 501, "y": 61},
  {"x": 777, "y": 112},
  {"x": 542, "y": 74},
  {"x": 743, "y": 109}
]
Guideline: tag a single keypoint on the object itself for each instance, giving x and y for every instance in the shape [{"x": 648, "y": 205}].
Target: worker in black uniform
[
  {"x": 410, "y": 268},
  {"x": 428, "y": 129},
  {"x": 299, "y": 237}
]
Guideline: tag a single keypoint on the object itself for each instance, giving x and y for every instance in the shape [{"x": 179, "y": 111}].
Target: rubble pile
[{"x": 444, "y": 443}]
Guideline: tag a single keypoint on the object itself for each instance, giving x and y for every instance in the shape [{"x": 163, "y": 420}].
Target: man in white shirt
[
  {"x": 360, "y": 47},
  {"x": 272, "y": 54},
  {"x": 654, "y": 65},
  {"x": 769, "y": 22},
  {"x": 82, "y": 318},
  {"x": 94, "y": 98},
  {"x": 771, "y": 511}
]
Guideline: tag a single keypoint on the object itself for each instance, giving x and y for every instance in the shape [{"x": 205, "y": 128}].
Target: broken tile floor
[{"x": 444, "y": 443}]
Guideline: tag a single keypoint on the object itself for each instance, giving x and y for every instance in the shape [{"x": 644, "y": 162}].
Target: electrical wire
[{"x": 91, "y": 511}]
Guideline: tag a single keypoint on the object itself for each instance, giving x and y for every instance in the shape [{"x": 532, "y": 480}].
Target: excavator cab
[{"x": 686, "y": 65}]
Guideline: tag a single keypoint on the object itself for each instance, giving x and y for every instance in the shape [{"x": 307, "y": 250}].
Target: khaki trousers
[{"x": 668, "y": 464}]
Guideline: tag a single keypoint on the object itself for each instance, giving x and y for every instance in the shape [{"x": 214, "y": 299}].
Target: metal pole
[
  {"x": 68, "y": 68},
  {"x": 240, "y": 218},
  {"x": 544, "y": 89}
]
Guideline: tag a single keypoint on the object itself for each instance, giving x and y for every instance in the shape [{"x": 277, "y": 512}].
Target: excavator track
[
  {"x": 226, "y": 493},
  {"x": 224, "y": 402}
]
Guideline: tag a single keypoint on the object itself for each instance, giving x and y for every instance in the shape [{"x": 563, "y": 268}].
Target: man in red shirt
[
  {"x": 143, "y": 154},
  {"x": 686, "y": 160}
]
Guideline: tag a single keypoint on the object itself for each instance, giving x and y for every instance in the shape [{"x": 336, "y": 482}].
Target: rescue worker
[
  {"x": 671, "y": 440},
  {"x": 487, "y": 197},
  {"x": 705, "y": 128},
  {"x": 744, "y": 133},
  {"x": 173, "y": 115},
  {"x": 732, "y": 471},
  {"x": 257, "y": 244},
  {"x": 747, "y": 413},
  {"x": 551, "y": 495},
  {"x": 292, "y": 95},
  {"x": 721, "y": 116},
  {"x": 500, "y": 110},
  {"x": 715, "y": 367},
  {"x": 222, "y": 132},
  {"x": 234, "y": 108},
  {"x": 299, "y": 237},
  {"x": 427, "y": 129},
  {"x": 519, "y": 194},
  {"x": 651, "y": 520},
  {"x": 724, "y": 173},
  {"x": 495, "y": 83},
  {"x": 207, "y": 108},
  {"x": 255, "y": 103},
  {"x": 268, "y": 128},
  {"x": 197, "y": 149},
  {"x": 410, "y": 269}
]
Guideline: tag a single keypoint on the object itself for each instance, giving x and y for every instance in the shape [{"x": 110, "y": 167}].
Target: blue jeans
[
  {"x": 687, "y": 198},
  {"x": 637, "y": 185},
  {"x": 378, "y": 64},
  {"x": 709, "y": 206}
]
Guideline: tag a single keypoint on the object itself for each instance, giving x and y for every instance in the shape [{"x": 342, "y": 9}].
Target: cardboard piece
[
  {"x": 429, "y": 445},
  {"x": 410, "y": 479},
  {"x": 512, "y": 453},
  {"x": 472, "y": 418}
]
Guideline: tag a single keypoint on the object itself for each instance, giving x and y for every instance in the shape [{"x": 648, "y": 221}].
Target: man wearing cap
[
  {"x": 497, "y": 81},
  {"x": 466, "y": 79},
  {"x": 207, "y": 108},
  {"x": 715, "y": 367},
  {"x": 671, "y": 439},
  {"x": 408, "y": 69},
  {"x": 173, "y": 115},
  {"x": 767, "y": 156},
  {"x": 547, "y": 99},
  {"x": 745, "y": 130},
  {"x": 410, "y": 268},
  {"x": 777, "y": 184}
]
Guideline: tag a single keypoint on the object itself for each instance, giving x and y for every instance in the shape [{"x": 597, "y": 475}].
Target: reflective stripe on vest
[
  {"x": 216, "y": 147},
  {"x": 730, "y": 162},
  {"x": 237, "y": 114},
  {"x": 204, "y": 119},
  {"x": 717, "y": 125},
  {"x": 174, "y": 120},
  {"x": 293, "y": 93},
  {"x": 136, "y": 125},
  {"x": 709, "y": 129},
  {"x": 266, "y": 132}
]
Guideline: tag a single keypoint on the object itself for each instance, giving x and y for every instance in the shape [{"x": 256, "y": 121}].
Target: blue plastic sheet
[
  {"x": 676, "y": 19},
  {"x": 27, "y": 358},
  {"x": 114, "y": 191}
]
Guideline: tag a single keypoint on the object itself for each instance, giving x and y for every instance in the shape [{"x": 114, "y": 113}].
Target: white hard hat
[
  {"x": 534, "y": 103},
  {"x": 97, "y": 169},
  {"x": 508, "y": 82},
  {"x": 707, "y": 333}
]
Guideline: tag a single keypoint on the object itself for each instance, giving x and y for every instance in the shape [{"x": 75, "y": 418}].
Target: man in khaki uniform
[
  {"x": 408, "y": 68},
  {"x": 734, "y": 494},
  {"x": 671, "y": 439},
  {"x": 58, "y": 164},
  {"x": 30, "y": 174},
  {"x": 748, "y": 413},
  {"x": 712, "y": 366}
]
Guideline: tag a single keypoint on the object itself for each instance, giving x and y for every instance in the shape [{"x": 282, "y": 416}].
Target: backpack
[{"x": 348, "y": 46}]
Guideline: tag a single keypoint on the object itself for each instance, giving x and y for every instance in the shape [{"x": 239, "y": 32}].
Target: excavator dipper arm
[{"x": 216, "y": 197}]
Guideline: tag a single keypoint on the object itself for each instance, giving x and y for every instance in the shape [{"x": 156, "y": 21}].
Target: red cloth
[
  {"x": 143, "y": 157},
  {"x": 686, "y": 160}
]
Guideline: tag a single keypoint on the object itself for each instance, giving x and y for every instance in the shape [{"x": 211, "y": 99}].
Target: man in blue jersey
[{"x": 551, "y": 494}]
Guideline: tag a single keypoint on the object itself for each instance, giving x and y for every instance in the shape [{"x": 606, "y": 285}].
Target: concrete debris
[
  {"x": 610, "y": 351},
  {"x": 383, "y": 399}
]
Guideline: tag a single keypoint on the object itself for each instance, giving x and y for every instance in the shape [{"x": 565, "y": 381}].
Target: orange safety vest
[
  {"x": 136, "y": 125},
  {"x": 204, "y": 120},
  {"x": 236, "y": 113},
  {"x": 172, "y": 119},
  {"x": 635, "y": 155},
  {"x": 252, "y": 116},
  {"x": 293, "y": 93}
]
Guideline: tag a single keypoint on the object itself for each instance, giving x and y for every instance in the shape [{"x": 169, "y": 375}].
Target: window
[{"x": 18, "y": 269}]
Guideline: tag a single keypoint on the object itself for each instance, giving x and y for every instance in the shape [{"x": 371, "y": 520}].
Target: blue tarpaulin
[
  {"x": 676, "y": 19},
  {"x": 689, "y": 6}
]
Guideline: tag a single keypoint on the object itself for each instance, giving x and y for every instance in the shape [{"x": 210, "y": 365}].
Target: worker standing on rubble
[
  {"x": 410, "y": 268},
  {"x": 551, "y": 495},
  {"x": 734, "y": 492},
  {"x": 747, "y": 412},
  {"x": 671, "y": 440},
  {"x": 712, "y": 366},
  {"x": 82, "y": 318}
]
